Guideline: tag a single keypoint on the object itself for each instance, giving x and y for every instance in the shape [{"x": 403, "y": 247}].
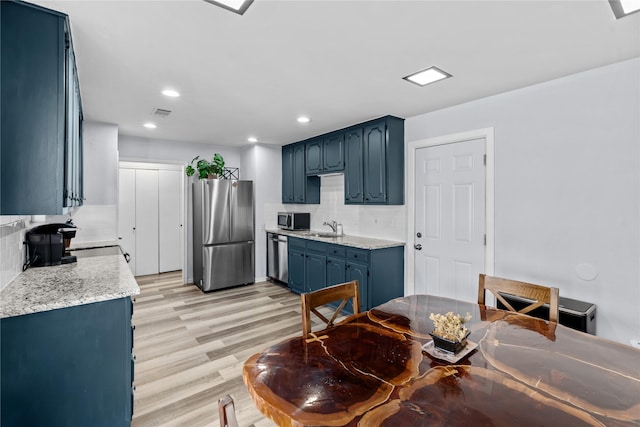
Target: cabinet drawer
[
  {"x": 314, "y": 246},
  {"x": 358, "y": 255},
  {"x": 296, "y": 242},
  {"x": 336, "y": 250}
]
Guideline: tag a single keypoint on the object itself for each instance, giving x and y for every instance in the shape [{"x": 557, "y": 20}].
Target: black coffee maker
[{"x": 47, "y": 244}]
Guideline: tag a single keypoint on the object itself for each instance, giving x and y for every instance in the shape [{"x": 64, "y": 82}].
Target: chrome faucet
[{"x": 333, "y": 225}]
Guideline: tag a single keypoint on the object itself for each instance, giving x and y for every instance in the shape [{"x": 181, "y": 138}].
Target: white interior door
[
  {"x": 170, "y": 220},
  {"x": 450, "y": 219},
  {"x": 146, "y": 229},
  {"x": 127, "y": 214}
]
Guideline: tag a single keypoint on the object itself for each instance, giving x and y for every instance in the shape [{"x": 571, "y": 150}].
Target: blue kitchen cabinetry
[
  {"x": 380, "y": 272},
  {"x": 297, "y": 187},
  {"x": 374, "y": 170},
  {"x": 370, "y": 154},
  {"x": 325, "y": 154},
  {"x": 296, "y": 260},
  {"x": 68, "y": 367},
  {"x": 41, "y": 129}
]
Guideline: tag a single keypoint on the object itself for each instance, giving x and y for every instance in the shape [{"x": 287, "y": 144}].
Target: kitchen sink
[{"x": 321, "y": 234}]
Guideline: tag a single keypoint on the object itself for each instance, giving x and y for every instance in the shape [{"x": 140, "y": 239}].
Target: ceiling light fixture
[
  {"x": 150, "y": 125},
  {"x": 252, "y": 139},
  {"x": 237, "y": 6},
  {"x": 170, "y": 93},
  {"x": 622, "y": 8},
  {"x": 303, "y": 119},
  {"x": 428, "y": 76}
]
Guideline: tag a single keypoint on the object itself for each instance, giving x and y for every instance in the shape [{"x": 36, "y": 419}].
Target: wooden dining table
[{"x": 371, "y": 370}]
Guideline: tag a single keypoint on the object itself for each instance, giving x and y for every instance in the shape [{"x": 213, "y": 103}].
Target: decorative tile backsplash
[
  {"x": 383, "y": 222},
  {"x": 12, "y": 231}
]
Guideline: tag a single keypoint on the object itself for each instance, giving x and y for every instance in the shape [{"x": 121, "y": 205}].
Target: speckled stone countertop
[
  {"x": 90, "y": 279},
  {"x": 345, "y": 240}
]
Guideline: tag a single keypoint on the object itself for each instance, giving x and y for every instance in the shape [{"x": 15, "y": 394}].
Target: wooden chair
[
  {"x": 539, "y": 294},
  {"x": 227, "y": 412},
  {"x": 312, "y": 300}
]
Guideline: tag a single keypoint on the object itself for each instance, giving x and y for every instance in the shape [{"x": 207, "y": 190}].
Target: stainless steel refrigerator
[{"x": 223, "y": 233}]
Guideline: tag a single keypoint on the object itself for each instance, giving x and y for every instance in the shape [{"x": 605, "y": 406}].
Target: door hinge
[
  {"x": 485, "y": 240},
  {"x": 484, "y": 159}
]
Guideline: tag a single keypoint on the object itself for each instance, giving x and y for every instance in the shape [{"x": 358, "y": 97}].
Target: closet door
[
  {"x": 127, "y": 214},
  {"x": 170, "y": 220},
  {"x": 146, "y": 229}
]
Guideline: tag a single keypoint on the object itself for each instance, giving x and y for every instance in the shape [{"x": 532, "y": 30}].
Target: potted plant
[
  {"x": 206, "y": 168},
  {"x": 449, "y": 333}
]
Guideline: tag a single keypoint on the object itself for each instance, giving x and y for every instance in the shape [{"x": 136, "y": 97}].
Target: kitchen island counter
[
  {"x": 89, "y": 280},
  {"x": 344, "y": 240}
]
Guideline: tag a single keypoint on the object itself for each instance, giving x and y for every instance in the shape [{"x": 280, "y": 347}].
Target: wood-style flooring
[{"x": 190, "y": 347}]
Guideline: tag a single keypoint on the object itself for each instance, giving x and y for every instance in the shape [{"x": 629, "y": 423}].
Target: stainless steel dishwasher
[{"x": 277, "y": 257}]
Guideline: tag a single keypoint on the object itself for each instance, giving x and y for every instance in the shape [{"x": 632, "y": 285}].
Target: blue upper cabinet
[
  {"x": 374, "y": 171},
  {"x": 325, "y": 154},
  {"x": 371, "y": 155},
  {"x": 314, "y": 156},
  {"x": 333, "y": 152},
  {"x": 287, "y": 174},
  {"x": 41, "y": 129},
  {"x": 297, "y": 187},
  {"x": 353, "y": 175}
]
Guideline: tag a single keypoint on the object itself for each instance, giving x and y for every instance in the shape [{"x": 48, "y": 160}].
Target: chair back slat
[
  {"x": 540, "y": 295},
  {"x": 312, "y": 300},
  {"x": 227, "y": 412}
]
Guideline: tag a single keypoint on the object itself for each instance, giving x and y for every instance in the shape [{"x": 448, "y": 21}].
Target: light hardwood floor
[{"x": 190, "y": 347}]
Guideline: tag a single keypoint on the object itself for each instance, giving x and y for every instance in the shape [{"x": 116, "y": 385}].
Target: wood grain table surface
[{"x": 371, "y": 371}]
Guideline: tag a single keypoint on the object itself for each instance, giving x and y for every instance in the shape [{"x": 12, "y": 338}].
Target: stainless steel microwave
[{"x": 294, "y": 220}]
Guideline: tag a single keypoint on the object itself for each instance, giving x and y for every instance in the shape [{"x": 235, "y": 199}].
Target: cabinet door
[
  {"x": 299, "y": 175},
  {"x": 296, "y": 270},
  {"x": 314, "y": 156},
  {"x": 333, "y": 153},
  {"x": 335, "y": 270},
  {"x": 315, "y": 272},
  {"x": 374, "y": 151},
  {"x": 353, "y": 174},
  {"x": 287, "y": 175},
  {"x": 359, "y": 272}
]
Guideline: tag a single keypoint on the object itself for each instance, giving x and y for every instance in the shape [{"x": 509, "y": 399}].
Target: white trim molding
[{"x": 488, "y": 135}]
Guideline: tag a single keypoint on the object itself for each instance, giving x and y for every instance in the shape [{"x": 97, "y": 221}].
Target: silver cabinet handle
[{"x": 418, "y": 247}]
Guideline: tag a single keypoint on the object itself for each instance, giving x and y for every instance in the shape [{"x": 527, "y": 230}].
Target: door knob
[{"x": 418, "y": 247}]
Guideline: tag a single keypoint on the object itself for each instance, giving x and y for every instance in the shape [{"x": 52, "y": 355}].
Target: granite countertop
[
  {"x": 345, "y": 240},
  {"x": 90, "y": 279}
]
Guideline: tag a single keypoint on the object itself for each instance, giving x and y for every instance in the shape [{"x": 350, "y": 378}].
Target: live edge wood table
[{"x": 371, "y": 371}]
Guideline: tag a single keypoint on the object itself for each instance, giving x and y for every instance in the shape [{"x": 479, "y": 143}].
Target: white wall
[
  {"x": 567, "y": 185},
  {"x": 263, "y": 166}
]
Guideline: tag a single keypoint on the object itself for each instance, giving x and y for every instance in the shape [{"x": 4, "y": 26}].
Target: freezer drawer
[{"x": 227, "y": 265}]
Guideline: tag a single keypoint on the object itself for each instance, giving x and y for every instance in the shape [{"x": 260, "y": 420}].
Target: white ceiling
[{"x": 340, "y": 62}]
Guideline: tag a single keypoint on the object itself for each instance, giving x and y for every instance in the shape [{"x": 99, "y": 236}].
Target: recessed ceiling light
[
  {"x": 425, "y": 77},
  {"x": 622, "y": 8},
  {"x": 150, "y": 125},
  {"x": 237, "y": 6},
  {"x": 252, "y": 139},
  {"x": 170, "y": 93},
  {"x": 303, "y": 119}
]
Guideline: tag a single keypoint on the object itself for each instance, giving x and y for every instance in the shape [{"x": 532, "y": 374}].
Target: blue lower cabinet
[
  {"x": 316, "y": 275},
  {"x": 335, "y": 270},
  {"x": 296, "y": 270},
  {"x": 314, "y": 265},
  {"x": 68, "y": 367},
  {"x": 359, "y": 272}
]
